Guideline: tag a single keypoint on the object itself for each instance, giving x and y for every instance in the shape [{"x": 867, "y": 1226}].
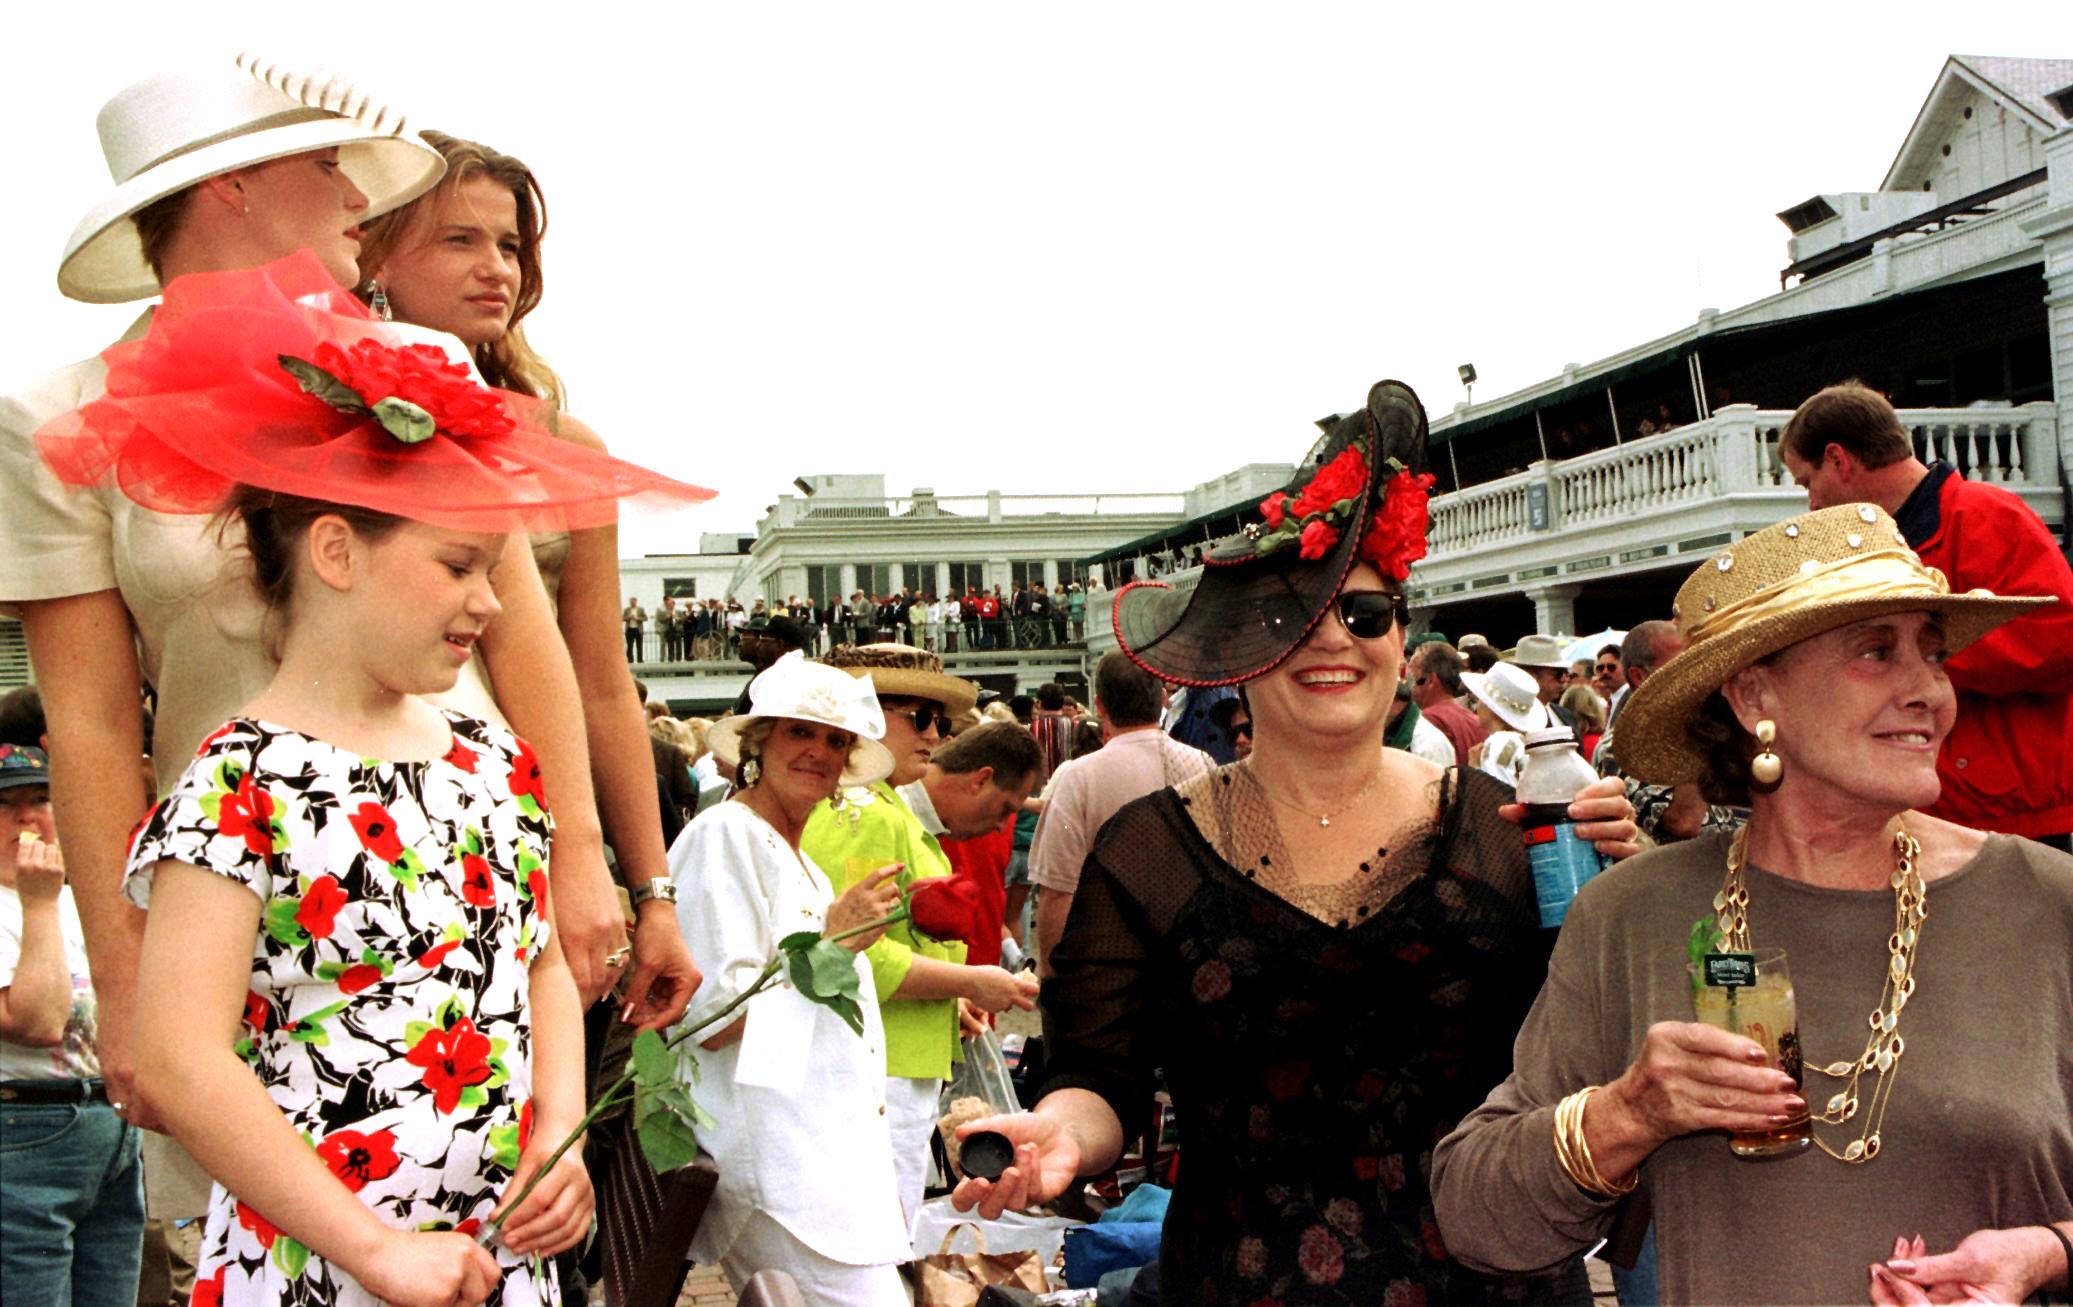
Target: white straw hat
[
  {"x": 1540, "y": 651},
  {"x": 812, "y": 692},
  {"x": 1511, "y": 694},
  {"x": 166, "y": 133}
]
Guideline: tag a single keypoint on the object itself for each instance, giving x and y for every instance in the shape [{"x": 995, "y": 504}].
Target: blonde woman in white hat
[
  {"x": 1932, "y": 968},
  {"x": 227, "y": 165},
  {"x": 1508, "y": 707},
  {"x": 796, "y": 1099}
]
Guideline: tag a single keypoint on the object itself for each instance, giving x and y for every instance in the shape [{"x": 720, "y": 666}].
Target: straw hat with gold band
[
  {"x": 1773, "y": 589},
  {"x": 902, "y": 670}
]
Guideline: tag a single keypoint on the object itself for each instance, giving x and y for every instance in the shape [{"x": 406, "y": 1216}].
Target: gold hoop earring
[{"x": 1766, "y": 768}]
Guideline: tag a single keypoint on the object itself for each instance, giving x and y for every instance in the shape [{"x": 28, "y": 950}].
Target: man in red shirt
[
  {"x": 1435, "y": 672},
  {"x": 2004, "y": 765}
]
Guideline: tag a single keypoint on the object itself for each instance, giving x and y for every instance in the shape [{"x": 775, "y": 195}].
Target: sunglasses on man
[
  {"x": 1369, "y": 614},
  {"x": 1608, "y": 667}
]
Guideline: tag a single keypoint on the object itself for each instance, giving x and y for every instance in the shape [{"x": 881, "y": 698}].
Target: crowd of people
[
  {"x": 344, "y": 866},
  {"x": 1030, "y": 616}
]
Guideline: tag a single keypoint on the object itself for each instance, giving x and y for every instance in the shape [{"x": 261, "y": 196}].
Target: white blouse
[{"x": 798, "y": 1102}]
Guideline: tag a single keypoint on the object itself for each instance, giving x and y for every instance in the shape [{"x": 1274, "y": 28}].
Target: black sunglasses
[
  {"x": 924, "y": 717},
  {"x": 1241, "y": 728},
  {"x": 1369, "y": 614},
  {"x": 1608, "y": 667}
]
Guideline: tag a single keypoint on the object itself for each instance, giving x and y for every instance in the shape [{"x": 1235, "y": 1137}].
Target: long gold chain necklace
[
  {"x": 1883, "y": 1047},
  {"x": 1323, "y": 818}
]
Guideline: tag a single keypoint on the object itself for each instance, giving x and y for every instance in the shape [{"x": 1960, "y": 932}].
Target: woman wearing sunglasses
[{"x": 1328, "y": 946}]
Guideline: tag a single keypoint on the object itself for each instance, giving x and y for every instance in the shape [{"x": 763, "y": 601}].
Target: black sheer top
[{"x": 1314, "y": 1059}]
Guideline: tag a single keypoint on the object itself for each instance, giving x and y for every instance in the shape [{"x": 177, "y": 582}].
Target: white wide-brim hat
[
  {"x": 1510, "y": 693},
  {"x": 1541, "y": 651},
  {"x": 166, "y": 133},
  {"x": 811, "y": 692}
]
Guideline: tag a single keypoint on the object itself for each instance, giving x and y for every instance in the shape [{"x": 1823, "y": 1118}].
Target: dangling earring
[
  {"x": 379, "y": 302},
  {"x": 751, "y": 771},
  {"x": 1766, "y": 768}
]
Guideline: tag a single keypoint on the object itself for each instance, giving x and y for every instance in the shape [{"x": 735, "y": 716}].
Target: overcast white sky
[{"x": 1064, "y": 247}]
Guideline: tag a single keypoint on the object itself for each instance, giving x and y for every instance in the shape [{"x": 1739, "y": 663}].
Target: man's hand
[{"x": 664, "y": 975}]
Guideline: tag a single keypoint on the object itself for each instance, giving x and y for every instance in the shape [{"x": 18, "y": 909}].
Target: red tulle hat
[{"x": 276, "y": 377}]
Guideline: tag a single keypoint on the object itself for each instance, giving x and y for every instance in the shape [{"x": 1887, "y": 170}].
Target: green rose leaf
[
  {"x": 799, "y": 939},
  {"x": 315, "y": 381},
  {"x": 405, "y": 420},
  {"x": 653, "y": 1064},
  {"x": 666, "y": 1142},
  {"x": 827, "y": 974}
]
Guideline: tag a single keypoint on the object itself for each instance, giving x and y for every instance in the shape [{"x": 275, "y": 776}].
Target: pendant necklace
[{"x": 1324, "y": 819}]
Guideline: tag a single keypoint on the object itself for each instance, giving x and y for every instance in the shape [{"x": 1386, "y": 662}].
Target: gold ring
[{"x": 617, "y": 957}]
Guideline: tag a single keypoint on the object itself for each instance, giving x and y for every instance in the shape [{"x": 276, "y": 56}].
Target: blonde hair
[
  {"x": 508, "y": 361},
  {"x": 1588, "y": 707},
  {"x": 693, "y": 730}
]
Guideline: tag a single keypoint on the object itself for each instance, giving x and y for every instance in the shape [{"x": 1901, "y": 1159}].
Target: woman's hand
[
  {"x": 587, "y": 915},
  {"x": 438, "y": 1269},
  {"x": 555, "y": 1215},
  {"x": 1047, "y": 1161},
  {"x": 664, "y": 976},
  {"x": 1602, "y": 815},
  {"x": 971, "y": 1022},
  {"x": 1687, "y": 1077},
  {"x": 993, "y": 989},
  {"x": 39, "y": 868},
  {"x": 871, "y": 899},
  {"x": 2002, "y": 1266}
]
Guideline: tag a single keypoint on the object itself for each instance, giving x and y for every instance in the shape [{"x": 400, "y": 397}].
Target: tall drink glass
[{"x": 1756, "y": 1003}]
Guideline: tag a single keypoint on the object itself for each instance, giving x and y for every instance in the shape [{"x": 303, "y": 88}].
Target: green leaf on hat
[
  {"x": 315, "y": 381},
  {"x": 405, "y": 420}
]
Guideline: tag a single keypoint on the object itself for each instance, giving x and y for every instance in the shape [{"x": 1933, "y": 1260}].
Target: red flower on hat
[
  {"x": 377, "y": 831},
  {"x": 1396, "y": 537},
  {"x": 357, "y": 1159},
  {"x": 1318, "y": 538},
  {"x": 1342, "y": 478},
  {"x": 1275, "y": 509},
  {"x": 423, "y": 375}
]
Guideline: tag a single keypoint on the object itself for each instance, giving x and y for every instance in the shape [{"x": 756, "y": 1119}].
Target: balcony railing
[{"x": 1733, "y": 452}]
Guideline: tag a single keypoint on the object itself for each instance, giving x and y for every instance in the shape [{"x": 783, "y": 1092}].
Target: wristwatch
[{"x": 658, "y": 887}]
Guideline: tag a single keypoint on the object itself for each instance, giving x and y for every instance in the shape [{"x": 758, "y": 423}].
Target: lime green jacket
[{"x": 871, "y": 828}]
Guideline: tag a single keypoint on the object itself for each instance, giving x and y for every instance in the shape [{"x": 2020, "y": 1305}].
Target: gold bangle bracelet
[{"x": 1573, "y": 1152}]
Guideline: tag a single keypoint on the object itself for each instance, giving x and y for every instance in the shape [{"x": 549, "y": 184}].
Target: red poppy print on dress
[
  {"x": 377, "y": 831},
  {"x": 452, "y": 1060},
  {"x": 536, "y": 885},
  {"x": 461, "y": 756},
  {"x": 358, "y": 977},
  {"x": 358, "y": 1159},
  {"x": 263, "y": 1230},
  {"x": 318, "y": 912},
  {"x": 209, "y": 1292},
  {"x": 257, "y": 1010},
  {"x": 477, "y": 886},
  {"x": 526, "y": 782},
  {"x": 247, "y": 813}
]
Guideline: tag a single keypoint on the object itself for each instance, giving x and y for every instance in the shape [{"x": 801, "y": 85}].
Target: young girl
[{"x": 356, "y": 1017}]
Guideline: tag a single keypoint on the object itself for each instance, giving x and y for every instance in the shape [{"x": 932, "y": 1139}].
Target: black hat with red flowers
[{"x": 1359, "y": 496}]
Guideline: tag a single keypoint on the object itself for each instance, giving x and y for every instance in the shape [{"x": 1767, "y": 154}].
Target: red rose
[
  {"x": 1395, "y": 539},
  {"x": 247, "y": 813},
  {"x": 945, "y": 908},
  {"x": 357, "y": 1159},
  {"x": 257, "y": 1010},
  {"x": 1275, "y": 509},
  {"x": 1403, "y": 1293},
  {"x": 358, "y": 977},
  {"x": 476, "y": 885},
  {"x": 1414, "y": 952},
  {"x": 318, "y": 911},
  {"x": 1393, "y": 1172},
  {"x": 525, "y": 775},
  {"x": 425, "y": 376},
  {"x": 1434, "y": 1245},
  {"x": 1320, "y": 1257},
  {"x": 263, "y": 1230},
  {"x": 1342, "y": 478},
  {"x": 209, "y": 1292},
  {"x": 1370, "y": 1087},
  {"x": 1252, "y": 1258},
  {"x": 1365, "y": 1168},
  {"x": 1343, "y": 1215},
  {"x": 1318, "y": 538},
  {"x": 377, "y": 831},
  {"x": 461, "y": 756},
  {"x": 452, "y": 1061}
]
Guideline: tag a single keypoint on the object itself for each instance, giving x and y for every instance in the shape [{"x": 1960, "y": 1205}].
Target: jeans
[
  {"x": 1637, "y": 1288},
  {"x": 71, "y": 1206}
]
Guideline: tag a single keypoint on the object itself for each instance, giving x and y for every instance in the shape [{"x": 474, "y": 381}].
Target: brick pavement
[{"x": 706, "y": 1287}]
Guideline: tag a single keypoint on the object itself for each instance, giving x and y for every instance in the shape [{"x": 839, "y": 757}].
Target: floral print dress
[{"x": 388, "y": 1010}]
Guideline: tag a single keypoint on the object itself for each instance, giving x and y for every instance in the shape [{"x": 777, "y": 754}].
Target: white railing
[{"x": 1735, "y": 451}]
